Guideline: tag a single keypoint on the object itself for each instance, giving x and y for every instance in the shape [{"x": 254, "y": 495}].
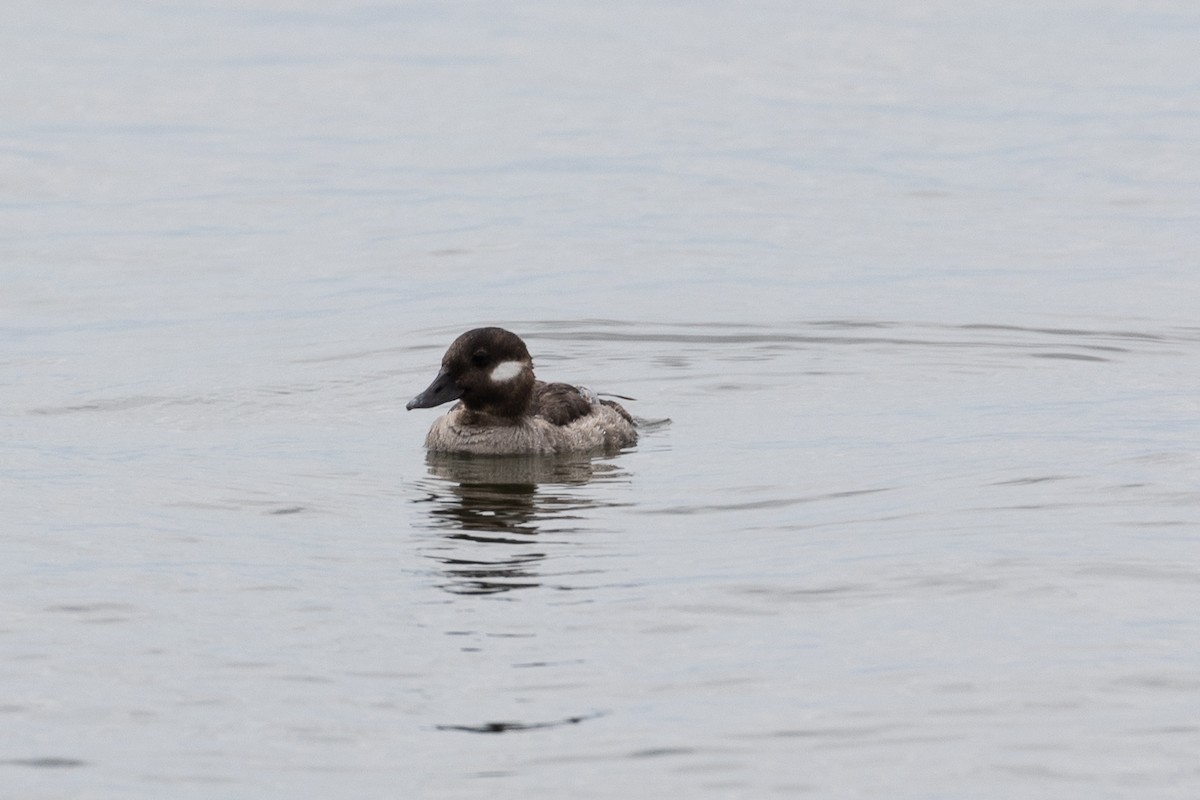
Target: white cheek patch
[{"x": 506, "y": 371}]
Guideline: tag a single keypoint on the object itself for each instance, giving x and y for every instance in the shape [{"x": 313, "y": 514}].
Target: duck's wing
[{"x": 560, "y": 403}]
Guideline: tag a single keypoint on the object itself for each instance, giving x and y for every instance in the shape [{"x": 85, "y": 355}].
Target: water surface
[{"x": 914, "y": 286}]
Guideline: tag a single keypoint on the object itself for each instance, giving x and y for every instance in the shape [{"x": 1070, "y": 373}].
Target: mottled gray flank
[{"x": 603, "y": 430}]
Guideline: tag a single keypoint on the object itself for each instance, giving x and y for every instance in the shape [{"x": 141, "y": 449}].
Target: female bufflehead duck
[{"x": 504, "y": 410}]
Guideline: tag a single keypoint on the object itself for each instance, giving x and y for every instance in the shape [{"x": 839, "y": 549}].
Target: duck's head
[{"x": 489, "y": 369}]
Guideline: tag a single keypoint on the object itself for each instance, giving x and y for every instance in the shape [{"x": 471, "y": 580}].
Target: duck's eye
[{"x": 480, "y": 358}]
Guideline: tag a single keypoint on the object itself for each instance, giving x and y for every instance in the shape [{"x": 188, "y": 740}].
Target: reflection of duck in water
[
  {"x": 478, "y": 519},
  {"x": 494, "y": 513},
  {"x": 504, "y": 410},
  {"x": 530, "y": 471}
]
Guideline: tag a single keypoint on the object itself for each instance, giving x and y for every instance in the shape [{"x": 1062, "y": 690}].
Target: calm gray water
[{"x": 915, "y": 284}]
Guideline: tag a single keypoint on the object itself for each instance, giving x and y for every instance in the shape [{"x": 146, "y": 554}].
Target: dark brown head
[{"x": 489, "y": 369}]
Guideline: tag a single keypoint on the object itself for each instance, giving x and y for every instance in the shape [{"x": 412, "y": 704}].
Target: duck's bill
[{"x": 442, "y": 390}]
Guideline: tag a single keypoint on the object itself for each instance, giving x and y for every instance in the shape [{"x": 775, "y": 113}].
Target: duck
[{"x": 503, "y": 409}]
